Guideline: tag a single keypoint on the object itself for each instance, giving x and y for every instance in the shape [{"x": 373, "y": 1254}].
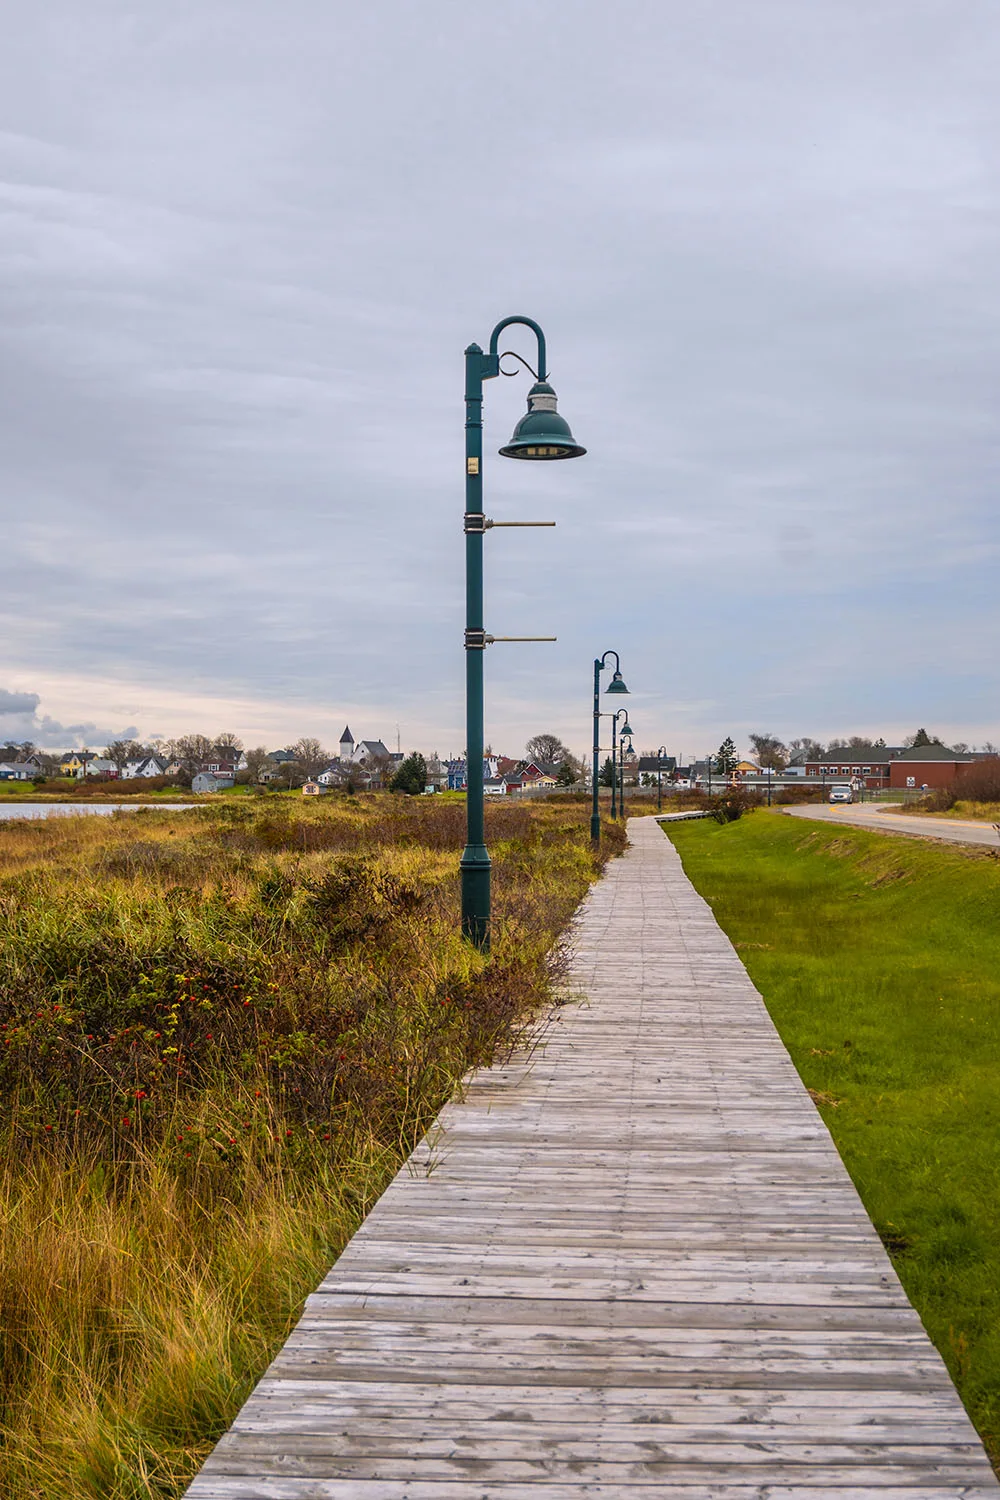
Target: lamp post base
[
  {"x": 475, "y": 868},
  {"x": 595, "y": 828}
]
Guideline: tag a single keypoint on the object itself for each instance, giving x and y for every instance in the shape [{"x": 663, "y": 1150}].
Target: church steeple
[{"x": 347, "y": 744}]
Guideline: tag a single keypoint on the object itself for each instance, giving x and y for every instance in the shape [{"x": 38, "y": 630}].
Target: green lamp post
[
  {"x": 625, "y": 729},
  {"x": 616, "y": 685},
  {"x": 624, "y": 733},
  {"x": 541, "y": 434},
  {"x": 659, "y": 777}
]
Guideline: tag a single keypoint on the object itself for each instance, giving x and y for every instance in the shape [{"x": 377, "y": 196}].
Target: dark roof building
[{"x": 928, "y": 765}]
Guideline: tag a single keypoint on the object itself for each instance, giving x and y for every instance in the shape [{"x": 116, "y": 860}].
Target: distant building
[
  {"x": 666, "y": 765},
  {"x": 456, "y": 772},
  {"x": 220, "y": 766},
  {"x": 73, "y": 762},
  {"x": 208, "y": 781},
  {"x": 871, "y": 766},
  {"x": 145, "y": 766},
  {"x": 18, "y": 770},
  {"x": 928, "y": 765},
  {"x": 311, "y": 789}
]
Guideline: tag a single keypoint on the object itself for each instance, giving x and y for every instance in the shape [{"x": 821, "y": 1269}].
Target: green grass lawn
[{"x": 879, "y": 961}]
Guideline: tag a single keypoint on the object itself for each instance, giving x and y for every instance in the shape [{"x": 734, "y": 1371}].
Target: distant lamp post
[
  {"x": 622, "y": 713},
  {"x": 659, "y": 777},
  {"x": 626, "y": 732},
  {"x": 615, "y": 686},
  {"x": 540, "y": 434}
]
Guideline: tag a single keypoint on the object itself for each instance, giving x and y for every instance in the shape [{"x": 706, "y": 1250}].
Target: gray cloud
[
  {"x": 241, "y": 253},
  {"x": 20, "y": 721},
  {"x": 17, "y": 703}
]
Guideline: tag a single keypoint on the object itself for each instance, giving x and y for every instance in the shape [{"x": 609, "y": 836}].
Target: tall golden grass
[{"x": 221, "y": 1033}]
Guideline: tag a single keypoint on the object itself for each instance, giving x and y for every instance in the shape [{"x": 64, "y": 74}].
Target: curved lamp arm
[
  {"x": 603, "y": 661},
  {"x": 526, "y": 323}
]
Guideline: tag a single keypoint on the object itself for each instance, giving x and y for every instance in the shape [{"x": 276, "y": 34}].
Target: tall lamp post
[
  {"x": 626, "y": 733},
  {"x": 541, "y": 434},
  {"x": 626, "y": 729},
  {"x": 659, "y": 777},
  {"x": 616, "y": 685}
]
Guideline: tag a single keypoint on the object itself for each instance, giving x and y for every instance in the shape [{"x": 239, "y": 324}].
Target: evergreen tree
[
  {"x": 725, "y": 756},
  {"x": 607, "y": 776},
  {"x": 411, "y": 777}
]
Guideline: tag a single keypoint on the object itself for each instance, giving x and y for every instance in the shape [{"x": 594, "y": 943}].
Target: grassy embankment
[
  {"x": 221, "y": 1032},
  {"x": 879, "y": 960}
]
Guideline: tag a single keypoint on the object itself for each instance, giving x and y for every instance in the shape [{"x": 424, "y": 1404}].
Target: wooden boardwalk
[{"x": 629, "y": 1265}]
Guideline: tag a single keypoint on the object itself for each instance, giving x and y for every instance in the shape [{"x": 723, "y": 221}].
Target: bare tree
[
  {"x": 190, "y": 751},
  {"x": 228, "y": 746},
  {"x": 546, "y": 747},
  {"x": 256, "y": 759},
  {"x": 381, "y": 768},
  {"x": 771, "y": 752},
  {"x": 806, "y": 746},
  {"x": 120, "y": 752},
  {"x": 310, "y": 756}
]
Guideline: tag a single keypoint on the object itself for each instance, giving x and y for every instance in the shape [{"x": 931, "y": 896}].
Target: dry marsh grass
[{"x": 220, "y": 1032}]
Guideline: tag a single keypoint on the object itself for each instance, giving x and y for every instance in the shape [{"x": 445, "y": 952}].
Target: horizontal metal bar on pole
[
  {"x": 490, "y": 524},
  {"x": 491, "y": 638}
]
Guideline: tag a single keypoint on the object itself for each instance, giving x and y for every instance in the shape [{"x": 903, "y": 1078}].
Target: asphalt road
[{"x": 871, "y": 815}]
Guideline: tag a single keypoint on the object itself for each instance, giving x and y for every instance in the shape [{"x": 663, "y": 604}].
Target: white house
[{"x": 145, "y": 766}]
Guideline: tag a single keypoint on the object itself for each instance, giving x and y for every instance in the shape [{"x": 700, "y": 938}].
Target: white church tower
[{"x": 346, "y": 745}]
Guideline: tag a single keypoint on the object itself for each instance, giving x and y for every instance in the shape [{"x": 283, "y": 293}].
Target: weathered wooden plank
[
  {"x": 259, "y": 1487},
  {"x": 628, "y": 1263}
]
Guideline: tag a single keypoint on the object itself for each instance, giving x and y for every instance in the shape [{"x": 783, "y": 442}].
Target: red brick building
[
  {"x": 927, "y": 765},
  {"x": 869, "y": 767}
]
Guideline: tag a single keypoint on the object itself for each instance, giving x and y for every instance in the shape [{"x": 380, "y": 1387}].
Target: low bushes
[
  {"x": 220, "y": 1032},
  {"x": 978, "y": 782}
]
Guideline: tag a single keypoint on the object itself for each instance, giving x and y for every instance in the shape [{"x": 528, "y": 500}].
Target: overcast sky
[{"x": 244, "y": 244}]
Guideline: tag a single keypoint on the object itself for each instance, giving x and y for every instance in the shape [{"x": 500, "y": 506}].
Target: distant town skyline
[{"x": 22, "y": 718}]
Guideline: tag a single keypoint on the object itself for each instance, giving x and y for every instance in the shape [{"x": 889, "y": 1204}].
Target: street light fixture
[
  {"x": 540, "y": 434},
  {"x": 616, "y": 685},
  {"x": 659, "y": 777},
  {"x": 626, "y": 729}
]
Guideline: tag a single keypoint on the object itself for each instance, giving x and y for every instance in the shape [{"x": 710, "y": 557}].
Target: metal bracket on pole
[
  {"x": 478, "y": 640},
  {"x": 476, "y": 523}
]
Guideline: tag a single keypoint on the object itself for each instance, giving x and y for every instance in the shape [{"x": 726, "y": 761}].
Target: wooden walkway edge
[{"x": 629, "y": 1264}]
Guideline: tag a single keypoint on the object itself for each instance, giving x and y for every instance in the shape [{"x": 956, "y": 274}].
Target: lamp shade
[
  {"x": 626, "y": 729},
  {"x": 542, "y": 433},
  {"x": 617, "y": 684}
]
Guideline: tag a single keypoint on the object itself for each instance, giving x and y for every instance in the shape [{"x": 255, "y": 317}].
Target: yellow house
[{"x": 73, "y": 762}]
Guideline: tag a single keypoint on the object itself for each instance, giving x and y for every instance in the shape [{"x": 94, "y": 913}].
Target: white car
[{"x": 841, "y": 794}]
